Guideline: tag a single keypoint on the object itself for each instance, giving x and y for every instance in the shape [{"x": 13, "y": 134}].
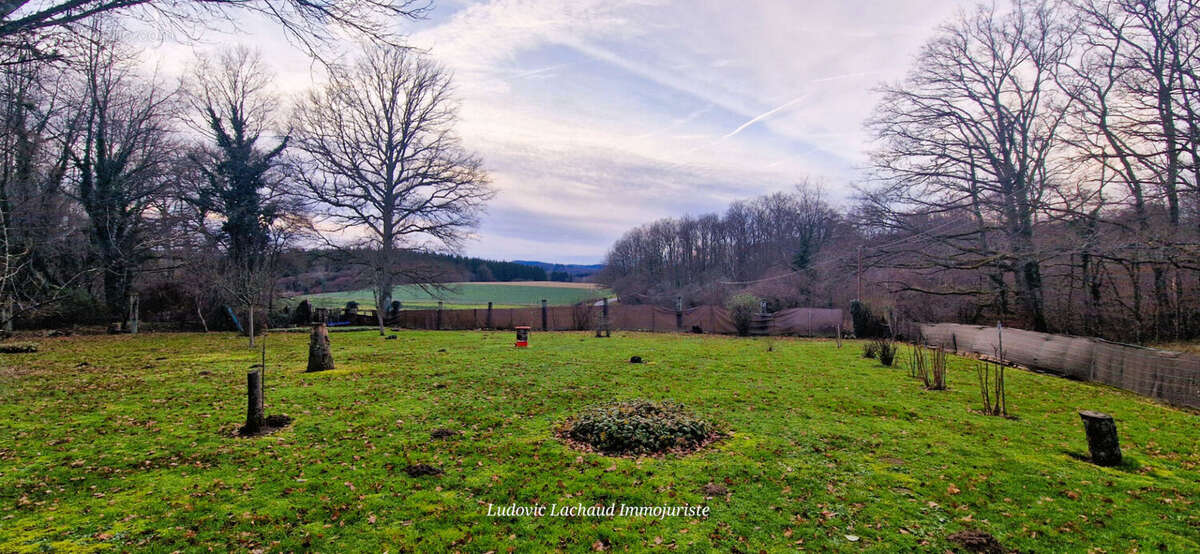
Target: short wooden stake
[
  {"x": 1102, "y": 438},
  {"x": 545, "y": 321}
]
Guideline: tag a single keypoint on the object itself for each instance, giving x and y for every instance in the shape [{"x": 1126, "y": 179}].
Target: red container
[{"x": 522, "y": 336}]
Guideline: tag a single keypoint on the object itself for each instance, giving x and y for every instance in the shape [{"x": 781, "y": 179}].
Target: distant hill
[{"x": 576, "y": 272}]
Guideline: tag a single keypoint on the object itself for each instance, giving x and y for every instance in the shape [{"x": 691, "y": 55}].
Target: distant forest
[{"x": 314, "y": 271}]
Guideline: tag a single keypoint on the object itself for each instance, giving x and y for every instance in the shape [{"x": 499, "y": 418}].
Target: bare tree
[
  {"x": 39, "y": 226},
  {"x": 1134, "y": 124},
  {"x": 38, "y": 29},
  {"x": 967, "y": 145},
  {"x": 383, "y": 166},
  {"x": 120, "y": 161}
]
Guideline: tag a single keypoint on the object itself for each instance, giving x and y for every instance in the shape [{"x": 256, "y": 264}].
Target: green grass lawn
[
  {"x": 124, "y": 443},
  {"x": 465, "y": 296}
]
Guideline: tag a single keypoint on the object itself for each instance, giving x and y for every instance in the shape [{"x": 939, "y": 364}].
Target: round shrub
[
  {"x": 742, "y": 308},
  {"x": 638, "y": 427}
]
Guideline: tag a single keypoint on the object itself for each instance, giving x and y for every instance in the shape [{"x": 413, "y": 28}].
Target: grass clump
[
  {"x": 639, "y": 427},
  {"x": 886, "y": 350}
]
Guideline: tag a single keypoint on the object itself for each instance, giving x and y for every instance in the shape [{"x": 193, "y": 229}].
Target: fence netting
[
  {"x": 813, "y": 322},
  {"x": 1172, "y": 377}
]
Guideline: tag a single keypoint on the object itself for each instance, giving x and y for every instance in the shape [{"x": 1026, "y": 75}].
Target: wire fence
[{"x": 1172, "y": 377}]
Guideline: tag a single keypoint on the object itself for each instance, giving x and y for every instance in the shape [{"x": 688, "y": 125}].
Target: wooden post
[
  {"x": 1102, "y": 438},
  {"x": 679, "y": 313},
  {"x": 489, "y": 316},
  {"x": 438, "y": 324},
  {"x": 320, "y": 356},
  {"x": 134, "y": 308},
  {"x": 6, "y": 313},
  {"x": 545, "y": 323},
  {"x": 604, "y": 326},
  {"x": 254, "y": 403}
]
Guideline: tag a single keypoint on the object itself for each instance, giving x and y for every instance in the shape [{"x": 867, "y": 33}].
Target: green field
[
  {"x": 121, "y": 443},
  {"x": 466, "y": 296}
]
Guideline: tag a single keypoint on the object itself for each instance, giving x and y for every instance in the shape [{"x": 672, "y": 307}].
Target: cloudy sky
[{"x": 594, "y": 116}]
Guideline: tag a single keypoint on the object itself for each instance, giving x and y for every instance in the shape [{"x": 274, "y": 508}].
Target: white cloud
[{"x": 597, "y": 115}]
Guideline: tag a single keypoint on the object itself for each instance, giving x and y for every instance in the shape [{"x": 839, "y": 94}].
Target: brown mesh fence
[
  {"x": 704, "y": 319},
  {"x": 1172, "y": 377},
  {"x": 808, "y": 322}
]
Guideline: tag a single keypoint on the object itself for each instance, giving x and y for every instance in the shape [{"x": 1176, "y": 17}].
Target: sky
[{"x": 596, "y": 116}]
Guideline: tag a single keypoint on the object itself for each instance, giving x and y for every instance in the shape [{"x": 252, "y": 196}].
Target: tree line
[
  {"x": 114, "y": 180},
  {"x": 1039, "y": 164}
]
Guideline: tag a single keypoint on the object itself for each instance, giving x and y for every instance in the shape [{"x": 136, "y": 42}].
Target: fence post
[
  {"x": 604, "y": 326},
  {"x": 489, "y": 316},
  {"x": 133, "y": 313},
  {"x": 545, "y": 327},
  {"x": 679, "y": 313},
  {"x": 438, "y": 324}
]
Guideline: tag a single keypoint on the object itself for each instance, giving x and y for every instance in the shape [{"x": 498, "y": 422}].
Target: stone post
[{"x": 320, "y": 356}]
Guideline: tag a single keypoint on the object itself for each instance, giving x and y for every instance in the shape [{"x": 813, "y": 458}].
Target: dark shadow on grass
[
  {"x": 1128, "y": 464},
  {"x": 270, "y": 425}
]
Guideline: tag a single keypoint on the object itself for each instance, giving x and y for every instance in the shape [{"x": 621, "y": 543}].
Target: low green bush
[
  {"x": 18, "y": 347},
  {"x": 887, "y": 351},
  {"x": 639, "y": 427}
]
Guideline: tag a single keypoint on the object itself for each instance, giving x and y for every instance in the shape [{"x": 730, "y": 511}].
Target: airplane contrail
[{"x": 764, "y": 115}]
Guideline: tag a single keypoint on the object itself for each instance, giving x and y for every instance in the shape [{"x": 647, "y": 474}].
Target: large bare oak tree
[{"x": 383, "y": 166}]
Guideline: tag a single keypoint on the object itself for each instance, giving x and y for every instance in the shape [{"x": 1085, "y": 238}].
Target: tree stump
[
  {"x": 320, "y": 357},
  {"x": 1102, "y": 438},
  {"x": 255, "y": 414}
]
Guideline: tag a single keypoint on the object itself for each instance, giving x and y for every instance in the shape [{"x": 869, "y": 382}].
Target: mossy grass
[{"x": 124, "y": 443}]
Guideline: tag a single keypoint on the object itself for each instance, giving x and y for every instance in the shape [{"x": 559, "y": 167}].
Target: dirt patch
[
  {"x": 976, "y": 541},
  {"x": 270, "y": 425},
  {"x": 443, "y": 433},
  {"x": 714, "y": 489},
  {"x": 418, "y": 470}
]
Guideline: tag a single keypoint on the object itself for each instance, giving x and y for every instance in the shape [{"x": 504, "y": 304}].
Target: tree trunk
[
  {"x": 254, "y": 403},
  {"x": 320, "y": 357},
  {"x": 250, "y": 329},
  {"x": 200, "y": 314},
  {"x": 1102, "y": 438}
]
